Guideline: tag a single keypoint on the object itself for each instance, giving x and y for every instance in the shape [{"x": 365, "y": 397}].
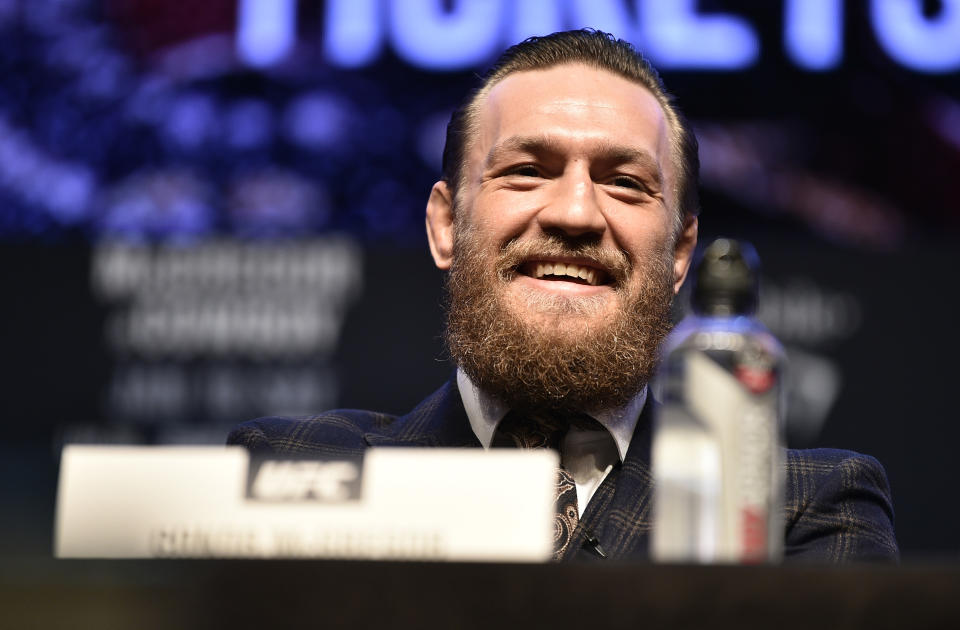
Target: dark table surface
[{"x": 333, "y": 594}]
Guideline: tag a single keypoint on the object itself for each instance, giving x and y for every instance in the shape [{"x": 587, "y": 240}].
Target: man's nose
[{"x": 574, "y": 208}]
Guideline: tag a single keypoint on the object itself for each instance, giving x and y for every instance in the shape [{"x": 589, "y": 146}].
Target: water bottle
[{"x": 718, "y": 443}]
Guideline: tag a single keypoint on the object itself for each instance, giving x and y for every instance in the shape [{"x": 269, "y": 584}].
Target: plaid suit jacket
[{"x": 837, "y": 503}]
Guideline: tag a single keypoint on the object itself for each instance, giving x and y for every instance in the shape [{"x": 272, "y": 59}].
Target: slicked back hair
[{"x": 595, "y": 49}]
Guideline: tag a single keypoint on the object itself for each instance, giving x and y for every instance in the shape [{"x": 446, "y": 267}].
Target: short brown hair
[{"x": 593, "y": 48}]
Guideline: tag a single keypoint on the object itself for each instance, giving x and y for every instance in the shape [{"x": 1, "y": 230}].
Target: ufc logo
[{"x": 300, "y": 480}]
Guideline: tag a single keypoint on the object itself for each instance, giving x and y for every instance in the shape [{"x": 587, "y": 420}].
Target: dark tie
[{"x": 523, "y": 431}]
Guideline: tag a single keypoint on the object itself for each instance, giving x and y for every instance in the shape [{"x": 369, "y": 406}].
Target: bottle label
[{"x": 726, "y": 401}]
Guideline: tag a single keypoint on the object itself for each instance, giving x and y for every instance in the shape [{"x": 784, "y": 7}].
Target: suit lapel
[
  {"x": 440, "y": 420},
  {"x": 619, "y": 513}
]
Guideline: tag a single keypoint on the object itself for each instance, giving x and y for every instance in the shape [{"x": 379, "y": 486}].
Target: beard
[{"x": 564, "y": 355}]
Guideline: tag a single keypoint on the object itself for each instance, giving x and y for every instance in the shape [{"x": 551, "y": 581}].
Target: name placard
[{"x": 394, "y": 503}]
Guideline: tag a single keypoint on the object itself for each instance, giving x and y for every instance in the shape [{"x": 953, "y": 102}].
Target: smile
[{"x": 578, "y": 273}]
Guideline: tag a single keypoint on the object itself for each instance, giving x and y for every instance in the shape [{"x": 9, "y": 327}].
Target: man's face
[{"x": 564, "y": 230}]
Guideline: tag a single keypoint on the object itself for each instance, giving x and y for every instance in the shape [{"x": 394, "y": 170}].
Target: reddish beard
[{"x": 580, "y": 363}]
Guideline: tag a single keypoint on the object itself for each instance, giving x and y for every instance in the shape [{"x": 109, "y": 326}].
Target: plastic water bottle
[{"x": 718, "y": 436}]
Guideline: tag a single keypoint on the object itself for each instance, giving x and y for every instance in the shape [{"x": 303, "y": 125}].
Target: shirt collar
[{"x": 485, "y": 412}]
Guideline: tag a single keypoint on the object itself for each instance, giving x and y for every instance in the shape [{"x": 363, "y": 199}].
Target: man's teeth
[{"x": 561, "y": 269}]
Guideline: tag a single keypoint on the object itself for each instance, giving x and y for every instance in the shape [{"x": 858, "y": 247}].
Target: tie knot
[{"x": 538, "y": 431}]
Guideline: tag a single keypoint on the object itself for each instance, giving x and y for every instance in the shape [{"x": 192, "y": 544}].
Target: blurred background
[{"x": 213, "y": 211}]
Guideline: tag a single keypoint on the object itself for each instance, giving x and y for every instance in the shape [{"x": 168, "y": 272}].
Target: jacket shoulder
[
  {"x": 838, "y": 507},
  {"x": 333, "y": 433}
]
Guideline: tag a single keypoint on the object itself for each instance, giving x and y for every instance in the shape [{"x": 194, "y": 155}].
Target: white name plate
[{"x": 395, "y": 503}]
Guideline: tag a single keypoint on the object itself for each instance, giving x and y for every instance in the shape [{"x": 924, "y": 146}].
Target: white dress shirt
[{"x": 588, "y": 455}]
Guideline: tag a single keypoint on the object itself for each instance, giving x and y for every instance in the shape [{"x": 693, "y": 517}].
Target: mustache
[{"x": 516, "y": 252}]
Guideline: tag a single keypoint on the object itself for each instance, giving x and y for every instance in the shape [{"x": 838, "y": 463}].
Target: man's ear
[
  {"x": 440, "y": 225},
  {"x": 683, "y": 250}
]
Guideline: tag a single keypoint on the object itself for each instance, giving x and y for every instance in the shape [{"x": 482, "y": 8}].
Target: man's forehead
[
  {"x": 571, "y": 97},
  {"x": 571, "y": 79}
]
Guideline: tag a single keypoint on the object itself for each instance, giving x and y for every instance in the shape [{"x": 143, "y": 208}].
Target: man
[{"x": 567, "y": 218}]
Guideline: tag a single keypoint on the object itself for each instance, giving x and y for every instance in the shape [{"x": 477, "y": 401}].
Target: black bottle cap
[{"x": 726, "y": 279}]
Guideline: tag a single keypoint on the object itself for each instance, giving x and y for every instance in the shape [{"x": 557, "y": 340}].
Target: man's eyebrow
[
  {"x": 534, "y": 145},
  {"x": 605, "y": 153}
]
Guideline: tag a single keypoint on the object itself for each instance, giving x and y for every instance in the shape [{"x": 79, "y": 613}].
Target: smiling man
[
  {"x": 564, "y": 239},
  {"x": 567, "y": 218}
]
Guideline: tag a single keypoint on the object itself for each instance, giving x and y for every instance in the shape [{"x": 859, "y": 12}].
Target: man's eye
[
  {"x": 525, "y": 170},
  {"x": 626, "y": 182}
]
